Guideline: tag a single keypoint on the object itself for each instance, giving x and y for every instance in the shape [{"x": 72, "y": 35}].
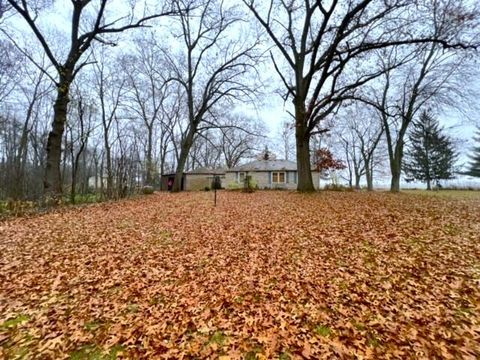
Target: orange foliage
[
  {"x": 264, "y": 275},
  {"x": 326, "y": 161}
]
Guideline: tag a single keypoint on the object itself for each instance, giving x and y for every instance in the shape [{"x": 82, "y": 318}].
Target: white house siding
[
  {"x": 194, "y": 182},
  {"x": 263, "y": 179},
  {"x": 230, "y": 178}
]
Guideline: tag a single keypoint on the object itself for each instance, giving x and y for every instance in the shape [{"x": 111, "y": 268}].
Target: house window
[
  {"x": 278, "y": 177},
  {"x": 241, "y": 177}
]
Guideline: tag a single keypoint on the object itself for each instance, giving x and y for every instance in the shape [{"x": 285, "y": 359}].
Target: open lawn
[{"x": 275, "y": 275}]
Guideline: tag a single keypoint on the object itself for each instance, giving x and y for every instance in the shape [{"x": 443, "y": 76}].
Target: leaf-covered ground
[{"x": 264, "y": 275}]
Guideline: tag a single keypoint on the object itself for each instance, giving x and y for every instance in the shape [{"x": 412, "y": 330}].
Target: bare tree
[
  {"x": 320, "y": 41},
  {"x": 79, "y": 129},
  {"x": 361, "y": 134},
  {"x": 148, "y": 91},
  {"x": 241, "y": 137},
  {"x": 433, "y": 76},
  {"x": 10, "y": 68},
  {"x": 354, "y": 161},
  {"x": 216, "y": 65},
  {"x": 286, "y": 132},
  {"x": 67, "y": 67},
  {"x": 110, "y": 89},
  {"x": 33, "y": 97}
]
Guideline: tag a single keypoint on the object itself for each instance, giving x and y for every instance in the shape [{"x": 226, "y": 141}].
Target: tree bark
[
  {"x": 369, "y": 177},
  {"x": 185, "y": 149},
  {"x": 149, "y": 163},
  {"x": 357, "y": 181},
  {"x": 395, "y": 167},
  {"x": 305, "y": 182},
  {"x": 108, "y": 164},
  {"x": 52, "y": 180},
  {"x": 302, "y": 137}
]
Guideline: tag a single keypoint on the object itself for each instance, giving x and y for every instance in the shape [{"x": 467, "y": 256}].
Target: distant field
[
  {"x": 267, "y": 275},
  {"x": 459, "y": 194}
]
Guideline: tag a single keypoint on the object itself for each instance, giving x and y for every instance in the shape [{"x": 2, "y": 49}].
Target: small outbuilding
[{"x": 194, "y": 180}]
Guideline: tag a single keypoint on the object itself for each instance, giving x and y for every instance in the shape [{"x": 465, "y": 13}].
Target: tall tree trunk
[
  {"x": 357, "y": 180},
  {"x": 162, "y": 165},
  {"x": 395, "y": 167},
  {"x": 429, "y": 185},
  {"x": 302, "y": 137},
  {"x": 185, "y": 149},
  {"x": 52, "y": 184},
  {"x": 369, "y": 177},
  {"x": 75, "y": 166},
  {"x": 305, "y": 182},
  {"x": 108, "y": 164},
  {"x": 73, "y": 192},
  {"x": 20, "y": 162},
  {"x": 149, "y": 163},
  {"x": 396, "y": 160}
]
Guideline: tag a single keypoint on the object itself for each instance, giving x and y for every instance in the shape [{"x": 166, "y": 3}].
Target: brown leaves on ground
[{"x": 261, "y": 276}]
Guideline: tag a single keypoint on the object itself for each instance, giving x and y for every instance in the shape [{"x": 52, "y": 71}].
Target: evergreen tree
[
  {"x": 475, "y": 157},
  {"x": 430, "y": 154}
]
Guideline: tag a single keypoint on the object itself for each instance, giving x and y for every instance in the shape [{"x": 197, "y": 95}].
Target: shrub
[
  {"x": 216, "y": 183},
  {"x": 147, "y": 190},
  {"x": 207, "y": 188},
  {"x": 233, "y": 186},
  {"x": 12, "y": 207},
  {"x": 249, "y": 185},
  {"x": 337, "y": 187}
]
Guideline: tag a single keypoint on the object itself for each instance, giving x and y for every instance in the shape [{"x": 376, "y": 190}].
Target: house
[
  {"x": 268, "y": 174},
  {"x": 197, "y": 179}
]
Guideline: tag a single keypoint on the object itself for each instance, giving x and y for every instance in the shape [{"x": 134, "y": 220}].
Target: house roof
[
  {"x": 200, "y": 171},
  {"x": 206, "y": 171},
  {"x": 266, "y": 165}
]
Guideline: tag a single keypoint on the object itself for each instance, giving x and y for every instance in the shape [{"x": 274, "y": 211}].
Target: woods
[{"x": 120, "y": 96}]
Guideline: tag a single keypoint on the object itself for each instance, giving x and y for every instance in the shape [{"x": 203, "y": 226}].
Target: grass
[
  {"x": 14, "y": 322},
  {"x": 94, "y": 352},
  {"x": 323, "y": 330},
  {"x": 448, "y": 194},
  {"x": 84, "y": 198},
  {"x": 93, "y": 325},
  {"x": 218, "y": 337}
]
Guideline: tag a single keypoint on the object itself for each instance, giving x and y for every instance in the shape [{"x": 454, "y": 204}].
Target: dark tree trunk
[
  {"x": 20, "y": 162},
  {"x": 395, "y": 169},
  {"x": 52, "y": 181},
  {"x": 302, "y": 137},
  {"x": 108, "y": 161},
  {"x": 305, "y": 182},
  {"x": 73, "y": 192},
  {"x": 149, "y": 163},
  {"x": 357, "y": 181},
  {"x": 369, "y": 177},
  {"x": 185, "y": 149},
  {"x": 396, "y": 163},
  {"x": 75, "y": 166}
]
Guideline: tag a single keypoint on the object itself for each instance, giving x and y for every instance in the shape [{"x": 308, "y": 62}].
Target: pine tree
[
  {"x": 474, "y": 163},
  {"x": 430, "y": 154}
]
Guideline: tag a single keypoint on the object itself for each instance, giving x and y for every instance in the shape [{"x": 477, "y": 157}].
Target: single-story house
[
  {"x": 197, "y": 179},
  {"x": 268, "y": 174}
]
